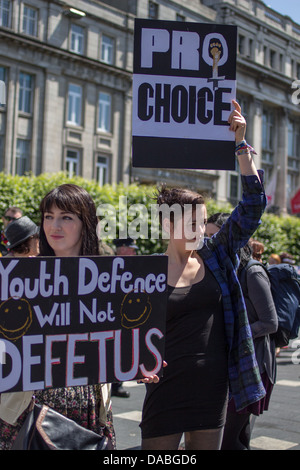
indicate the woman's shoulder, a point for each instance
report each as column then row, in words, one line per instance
column 257, row 269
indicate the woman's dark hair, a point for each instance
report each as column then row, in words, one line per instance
column 76, row 200
column 218, row 219
column 179, row 196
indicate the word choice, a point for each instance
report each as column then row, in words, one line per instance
column 165, row 103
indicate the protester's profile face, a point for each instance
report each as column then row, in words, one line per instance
column 63, row 231
column 211, row 229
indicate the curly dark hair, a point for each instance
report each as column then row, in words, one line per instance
column 74, row 199
column 177, row 196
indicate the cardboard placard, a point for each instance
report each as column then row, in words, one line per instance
column 183, row 85
column 80, row 321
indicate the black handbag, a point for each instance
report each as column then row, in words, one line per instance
column 45, row 429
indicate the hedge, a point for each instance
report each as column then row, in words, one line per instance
column 277, row 233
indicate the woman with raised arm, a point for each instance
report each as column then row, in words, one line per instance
column 209, row 348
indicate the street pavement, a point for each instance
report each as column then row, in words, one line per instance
column 277, row 429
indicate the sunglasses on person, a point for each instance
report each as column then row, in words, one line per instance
column 7, row 217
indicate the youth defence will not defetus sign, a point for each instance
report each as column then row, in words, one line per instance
column 183, row 85
column 80, row 321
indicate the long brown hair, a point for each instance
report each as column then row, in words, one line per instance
column 76, row 200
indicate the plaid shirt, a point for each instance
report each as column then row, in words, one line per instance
column 219, row 254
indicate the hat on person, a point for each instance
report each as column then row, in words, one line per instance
column 19, row 230
column 125, row 242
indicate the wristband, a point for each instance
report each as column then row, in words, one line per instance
column 243, row 148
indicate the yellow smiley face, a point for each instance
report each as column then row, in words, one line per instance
column 135, row 309
column 15, row 318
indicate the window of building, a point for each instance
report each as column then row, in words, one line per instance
column 102, row 170
column 266, row 56
column 268, row 128
column 3, row 80
column 292, row 184
column 281, row 63
column 250, row 49
column 104, row 118
column 5, row 13
column 273, row 57
column 22, row 157
column 77, row 39
column 1, row 152
column 293, row 68
column 243, row 101
column 153, row 11
column 107, row 49
column 241, row 44
column 293, row 146
column 29, row 20
column 25, row 92
column 72, row 163
column 234, row 188
column 74, row 104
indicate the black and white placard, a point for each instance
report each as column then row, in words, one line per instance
column 80, row 321
column 183, row 85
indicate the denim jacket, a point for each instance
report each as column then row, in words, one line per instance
column 219, row 254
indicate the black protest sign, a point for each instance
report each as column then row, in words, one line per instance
column 80, row 321
column 183, row 84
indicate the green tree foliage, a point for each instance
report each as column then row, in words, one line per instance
column 277, row 233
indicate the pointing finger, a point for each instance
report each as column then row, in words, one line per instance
column 236, row 106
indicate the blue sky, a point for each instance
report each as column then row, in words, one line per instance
column 286, row 7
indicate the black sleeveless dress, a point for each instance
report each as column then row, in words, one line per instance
column 192, row 394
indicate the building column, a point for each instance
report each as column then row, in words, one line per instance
column 11, row 121
column 127, row 130
column 281, row 152
column 255, row 129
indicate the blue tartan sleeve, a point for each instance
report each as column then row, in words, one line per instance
column 244, row 219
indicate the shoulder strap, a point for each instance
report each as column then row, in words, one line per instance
column 243, row 273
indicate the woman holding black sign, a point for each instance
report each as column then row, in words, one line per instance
column 68, row 228
column 209, row 348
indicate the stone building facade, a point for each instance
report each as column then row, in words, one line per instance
column 67, row 69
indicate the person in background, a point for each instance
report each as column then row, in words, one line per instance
column 274, row 259
column 257, row 249
column 287, row 258
column 261, row 312
column 12, row 213
column 23, row 238
column 215, row 222
column 124, row 247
